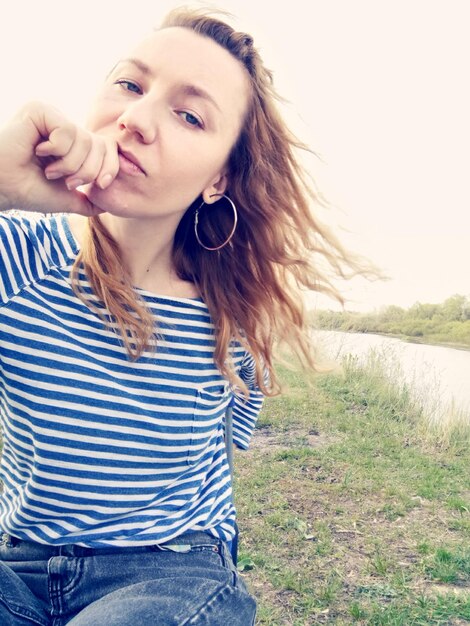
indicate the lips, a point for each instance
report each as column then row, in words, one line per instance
column 125, row 155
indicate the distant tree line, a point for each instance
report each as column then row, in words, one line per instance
column 448, row 322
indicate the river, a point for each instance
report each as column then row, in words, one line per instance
column 438, row 376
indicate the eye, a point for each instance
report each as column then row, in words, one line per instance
column 191, row 119
column 129, row 86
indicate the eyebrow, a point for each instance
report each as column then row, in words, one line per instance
column 187, row 89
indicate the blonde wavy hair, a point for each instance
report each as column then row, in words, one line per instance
column 252, row 285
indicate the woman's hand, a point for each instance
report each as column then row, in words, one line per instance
column 44, row 157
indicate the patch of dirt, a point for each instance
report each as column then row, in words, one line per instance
column 443, row 589
column 279, row 599
column 268, row 439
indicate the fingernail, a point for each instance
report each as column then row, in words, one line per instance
column 105, row 181
column 74, row 183
column 52, row 175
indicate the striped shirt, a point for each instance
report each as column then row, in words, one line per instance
column 99, row 450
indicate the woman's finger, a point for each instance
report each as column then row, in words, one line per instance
column 59, row 141
column 101, row 165
column 110, row 166
column 72, row 161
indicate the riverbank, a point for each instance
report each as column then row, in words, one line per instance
column 352, row 510
column 426, row 340
column 446, row 324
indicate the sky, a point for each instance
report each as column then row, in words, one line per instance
column 377, row 88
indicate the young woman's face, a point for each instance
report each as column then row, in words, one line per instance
column 175, row 107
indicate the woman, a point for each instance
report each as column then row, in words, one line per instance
column 148, row 301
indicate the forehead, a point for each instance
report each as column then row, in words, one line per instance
column 179, row 55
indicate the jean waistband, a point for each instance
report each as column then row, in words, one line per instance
column 183, row 543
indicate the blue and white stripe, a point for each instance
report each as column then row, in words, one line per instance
column 99, row 450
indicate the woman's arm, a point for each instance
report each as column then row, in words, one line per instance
column 246, row 410
column 40, row 142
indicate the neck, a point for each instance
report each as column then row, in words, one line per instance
column 146, row 248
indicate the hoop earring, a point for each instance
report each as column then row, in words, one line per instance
column 235, row 219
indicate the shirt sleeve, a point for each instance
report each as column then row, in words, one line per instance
column 22, row 258
column 245, row 412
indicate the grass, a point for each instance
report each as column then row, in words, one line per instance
column 352, row 508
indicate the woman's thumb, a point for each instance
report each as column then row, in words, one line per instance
column 77, row 202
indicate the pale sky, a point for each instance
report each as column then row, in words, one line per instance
column 378, row 88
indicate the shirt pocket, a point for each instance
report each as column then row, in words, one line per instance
column 209, row 411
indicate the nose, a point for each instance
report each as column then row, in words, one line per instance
column 137, row 120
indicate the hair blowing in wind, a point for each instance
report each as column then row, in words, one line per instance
column 252, row 286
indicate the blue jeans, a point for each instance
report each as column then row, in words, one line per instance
column 191, row 580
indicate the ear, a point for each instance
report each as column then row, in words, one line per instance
column 217, row 188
